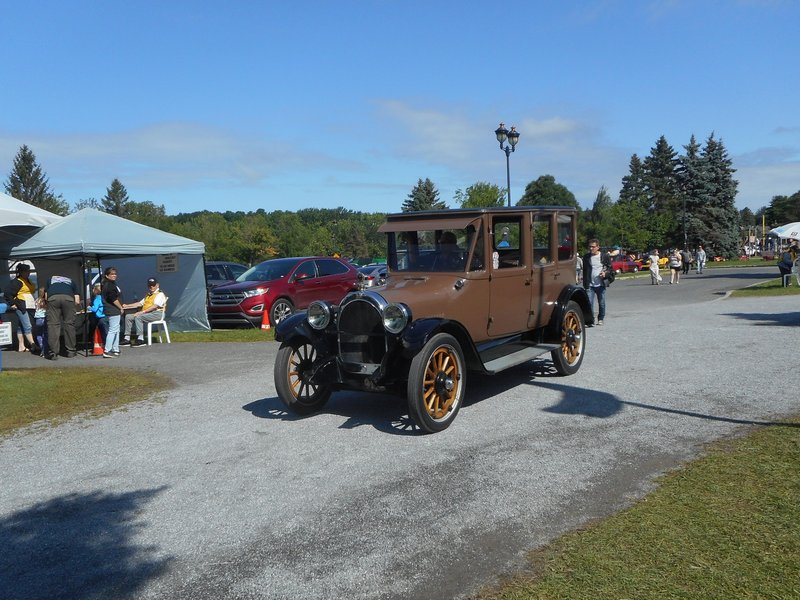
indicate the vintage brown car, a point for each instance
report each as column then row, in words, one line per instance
column 467, row 290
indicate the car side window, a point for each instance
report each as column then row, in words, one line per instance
column 329, row 266
column 542, row 251
column 214, row 272
column 566, row 239
column 506, row 244
column 306, row 270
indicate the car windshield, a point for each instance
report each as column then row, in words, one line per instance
column 440, row 250
column 267, row 271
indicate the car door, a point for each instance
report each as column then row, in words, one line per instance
column 304, row 284
column 336, row 279
column 510, row 286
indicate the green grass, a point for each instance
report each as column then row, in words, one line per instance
column 773, row 287
column 225, row 335
column 49, row 396
column 724, row 526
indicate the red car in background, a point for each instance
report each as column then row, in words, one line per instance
column 624, row 264
column 280, row 286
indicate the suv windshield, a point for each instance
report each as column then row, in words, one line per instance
column 267, row 271
column 439, row 250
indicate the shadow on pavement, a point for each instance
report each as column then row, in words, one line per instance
column 77, row 546
column 591, row 403
column 771, row 319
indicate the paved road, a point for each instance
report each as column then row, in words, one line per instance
column 214, row 491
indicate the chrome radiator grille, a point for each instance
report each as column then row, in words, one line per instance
column 362, row 339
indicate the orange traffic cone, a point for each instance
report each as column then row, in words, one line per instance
column 265, row 320
column 98, row 343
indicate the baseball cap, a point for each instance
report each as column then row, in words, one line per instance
column 152, row 281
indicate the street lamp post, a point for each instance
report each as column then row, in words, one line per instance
column 512, row 136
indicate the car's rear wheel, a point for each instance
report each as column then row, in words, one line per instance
column 567, row 359
column 281, row 309
column 292, row 367
column 437, row 383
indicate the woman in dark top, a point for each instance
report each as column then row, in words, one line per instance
column 112, row 307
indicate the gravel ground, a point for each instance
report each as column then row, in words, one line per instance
column 214, row 491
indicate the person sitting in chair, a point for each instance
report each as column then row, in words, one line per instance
column 151, row 308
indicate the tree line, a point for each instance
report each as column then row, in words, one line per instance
column 666, row 200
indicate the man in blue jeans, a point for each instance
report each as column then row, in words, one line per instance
column 596, row 265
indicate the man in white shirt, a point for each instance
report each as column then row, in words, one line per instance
column 151, row 308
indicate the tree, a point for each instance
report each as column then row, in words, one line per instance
column 481, row 195
column 662, row 188
column 88, row 203
column 722, row 219
column 116, row 199
column 783, row 209
column 27, row 182
column 146, row 213
column 546, row 192
column 634, row 188
column 424, row 196
column 694, row 182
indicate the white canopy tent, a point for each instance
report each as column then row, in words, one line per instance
column 137, row 251
column 15, row 213
column 790, row 231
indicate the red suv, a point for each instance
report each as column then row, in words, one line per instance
column 279, row 286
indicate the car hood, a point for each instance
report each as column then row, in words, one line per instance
column 429, row 295
column 241, row 286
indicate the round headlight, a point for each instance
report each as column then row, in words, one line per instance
column 319, row 315
column 396, row 317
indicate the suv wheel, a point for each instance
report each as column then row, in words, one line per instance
column 292, row 365
column 568, row 358
column 281, row 309
column 436, row 383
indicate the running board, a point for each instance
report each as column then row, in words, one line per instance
column 518, row 354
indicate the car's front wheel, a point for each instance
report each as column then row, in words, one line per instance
column 281, row 309
column 567, row 359
column 437, row 383
column 292, row 367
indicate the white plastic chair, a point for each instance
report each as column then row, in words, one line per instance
column 162, row 323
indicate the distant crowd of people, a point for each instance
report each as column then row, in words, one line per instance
column 46, row 317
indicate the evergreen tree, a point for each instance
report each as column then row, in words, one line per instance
column 721, row 218
column 783, row 209
column 88, row 203
column 546, row 192
column 695, row 186
column 116, row 199
column 602, row 203
column 481, row 195
column 27, row 182
column 424, row 196
column 634, row 189
column 662, row 190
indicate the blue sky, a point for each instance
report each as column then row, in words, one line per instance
column 289, row 105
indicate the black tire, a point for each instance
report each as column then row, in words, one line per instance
column 281, row 309
column 291, row 366
column 437, row 383
column 568, row 358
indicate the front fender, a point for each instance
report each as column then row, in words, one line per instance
column 292, row 326
column 414, row 338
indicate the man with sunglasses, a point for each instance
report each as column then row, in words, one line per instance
column 151, row 308
column 596, row 267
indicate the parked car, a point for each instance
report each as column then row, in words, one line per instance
column 219, row 272
column 623, row 264
column 280, row 286
column 456, row 300
column 372, row 275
